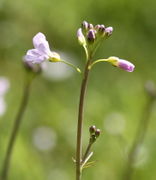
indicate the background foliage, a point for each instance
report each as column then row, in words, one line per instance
column 115, row 99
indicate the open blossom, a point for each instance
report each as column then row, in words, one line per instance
column 121, row 63
column 41, row 51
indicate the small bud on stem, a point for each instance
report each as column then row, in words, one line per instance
column 97, row 133
column 92, row 129
column 91, row 35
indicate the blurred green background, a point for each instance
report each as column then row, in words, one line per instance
column 115, row 99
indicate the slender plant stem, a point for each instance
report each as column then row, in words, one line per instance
column 14, row 132
column 87, row 152
column 80, row 120
column 140, row 135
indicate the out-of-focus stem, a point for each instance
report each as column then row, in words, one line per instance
column 80, row 120
column 139, row 138
column 15, row 129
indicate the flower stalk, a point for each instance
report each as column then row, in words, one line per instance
column 15, row 129
column 80, row 120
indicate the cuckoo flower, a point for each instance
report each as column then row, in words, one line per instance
column 121, row 63
column 117, row 62
column 41, row 51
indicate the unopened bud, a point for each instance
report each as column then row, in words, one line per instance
column 91, row 35
column 121, row 63
column 97, row 27
column 84, row 25
column 97, row 133
column 92, row 129
column 108, row 31
column 102, row 28
column 90, row 26
column 81, row 37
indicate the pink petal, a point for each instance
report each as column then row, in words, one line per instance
column 126, row 65
column 40, row 43
column 38, row 39
column 35, row 56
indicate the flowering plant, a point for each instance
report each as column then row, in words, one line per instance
column 90, row 37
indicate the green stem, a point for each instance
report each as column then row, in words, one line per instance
column 97, row 61
column 80, row 120
column 139, row 138
column 13, row 135
column 87, row 152
column 69, row 64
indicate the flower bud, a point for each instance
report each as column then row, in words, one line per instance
column 84, row 25
column 108, row 31
column 121, row 63
column 90, row 26
column 81, row 37
column 102, row 28
column 97, row 27
column 97, row 133
column 91, row 35
column 92, row 129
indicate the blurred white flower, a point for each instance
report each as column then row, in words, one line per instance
column 2, row 106
column 44, row 138
column 4, row 85
column 58, row 71
column 114, row 123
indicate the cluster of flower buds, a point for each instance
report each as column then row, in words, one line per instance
column 88, row 33
column 94, row 133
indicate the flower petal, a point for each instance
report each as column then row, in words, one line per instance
column 34, row 52
column 44, row 48
column 35, row 56
column 121, row 63
column 126, row 65
column 38, row 38
column 40, row 43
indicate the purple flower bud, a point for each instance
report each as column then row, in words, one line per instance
column 108, row 31
column 121, row 63
column 97, row 27
column 92, row 129
column 90, row 26
column 126, row 65
column 102, row 28
column 91, row 35
column 81, row 37
column 84, row 25
column 97, row 133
